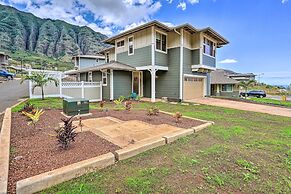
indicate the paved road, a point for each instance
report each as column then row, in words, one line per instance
column 10, row 92
column 275, row 97
column 244, row 106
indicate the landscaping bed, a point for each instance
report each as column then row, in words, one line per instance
column 35, row 151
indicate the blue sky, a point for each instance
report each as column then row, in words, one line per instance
column 259, row 31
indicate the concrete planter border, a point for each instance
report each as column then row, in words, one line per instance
column 4, row 150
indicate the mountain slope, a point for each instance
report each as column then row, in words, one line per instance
column 20, row 31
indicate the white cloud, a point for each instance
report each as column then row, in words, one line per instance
column 228, row 61
column 182, row 5
column 284, row 1
column 193, row 1
column 108, row 15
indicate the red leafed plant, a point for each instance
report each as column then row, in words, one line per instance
column 177, row 116
column 66, row 134
column 128, row 105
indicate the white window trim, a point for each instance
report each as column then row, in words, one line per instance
column 107, row 53
column 132, row 45
column 165, row 52
column 104, row 76
column 90, row 76
column 119, row 40
column 214, row 47
column 227, row 91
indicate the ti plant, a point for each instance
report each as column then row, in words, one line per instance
column 128, row 105
column 177, row 116
column 29, row 108
column 34, row 117
column 101, row 104
column 66, row 134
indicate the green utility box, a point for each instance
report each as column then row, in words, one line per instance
column 74, row 106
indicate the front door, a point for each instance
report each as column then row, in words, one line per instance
column 137, row 82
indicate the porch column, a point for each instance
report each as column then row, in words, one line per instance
column 111, row 85
column 153, row 85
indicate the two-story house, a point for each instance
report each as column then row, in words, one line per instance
column 85, row 61
column 154, row 61
column 3, row 59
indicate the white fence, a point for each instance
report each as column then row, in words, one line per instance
column 88, row 90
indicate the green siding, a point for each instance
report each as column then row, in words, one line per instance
column 146, row 84
column 83, row 77
column 122, row 83
column 187, row 53
column 96, row 76
column 209, row 61
column 89, row 62
column 106, row 89
column 161, row 59
column 195, row 56
column 167, row 83
column 141, row 57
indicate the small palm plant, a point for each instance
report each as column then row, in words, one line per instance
column 40, row 80
column 34, row 117
column 246, row 84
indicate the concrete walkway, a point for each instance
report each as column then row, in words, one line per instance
column 244, row 106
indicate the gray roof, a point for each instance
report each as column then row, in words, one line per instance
column 115, row 65
column 220, row 77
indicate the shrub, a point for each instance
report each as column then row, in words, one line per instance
column 101, row 104
column 153, row 111
column 118, row 102
column 66, row 134
column 34, row 117
column 177, row 116
column 128, row 105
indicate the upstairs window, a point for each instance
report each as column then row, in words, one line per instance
column 130, row 46
column 161, row 42
column 120, row 43
column 104, row 78
column 107, row 57
column 208, row 47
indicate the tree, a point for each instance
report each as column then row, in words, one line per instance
column 246, row 84
column 40, row 80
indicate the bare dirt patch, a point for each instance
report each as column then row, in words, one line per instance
column 141, row 115
column 1, row 120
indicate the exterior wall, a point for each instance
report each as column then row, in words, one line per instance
column 173, row 40
column 141, row 39
column 3, row 60
column 234, row 93
column 187, row 39
column 106, row 89
column 196, row 41
column 161, row 58
column 122, row 83
column 141, row 57
column 167, row 83
column 209, row 61
column 112, row 54
column 147, row 84
column 83, row 77
column 88, row 62
column 96, row 76
column 195, row 57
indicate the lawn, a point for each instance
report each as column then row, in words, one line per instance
column 272, row 101
column 244, row 152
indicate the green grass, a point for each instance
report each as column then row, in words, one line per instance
column 272, row 101
column 243, row 152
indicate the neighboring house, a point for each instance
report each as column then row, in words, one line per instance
column 84, row 61
column 240, row 76
column 154, row 61
column 223, row 85
column 3, row 59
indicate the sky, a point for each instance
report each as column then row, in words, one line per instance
column 259, row 31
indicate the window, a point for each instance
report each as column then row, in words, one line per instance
column 120, row 43
column 107, row 57
column 130, row 46
column 90, row 79
column 161, row 42
column 104, row 78
column 208, row 47
column 227, row 88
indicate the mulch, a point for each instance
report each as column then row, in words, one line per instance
column 35, row 151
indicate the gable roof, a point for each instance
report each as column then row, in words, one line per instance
column 188, row 27
column 220, row 77
column 115, row 65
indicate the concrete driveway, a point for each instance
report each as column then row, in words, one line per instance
column 244, row 106
column 10, row 92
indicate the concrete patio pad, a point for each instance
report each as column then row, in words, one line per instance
column 125, row 133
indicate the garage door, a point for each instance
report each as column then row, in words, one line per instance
column 193, row 87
